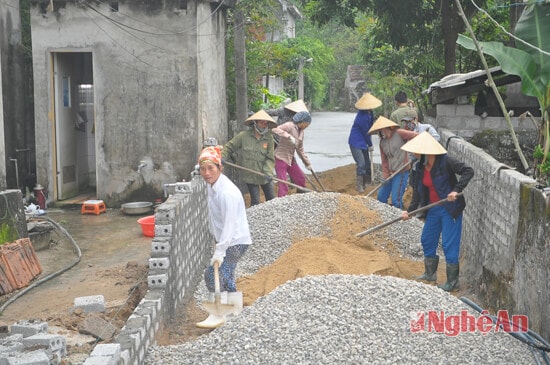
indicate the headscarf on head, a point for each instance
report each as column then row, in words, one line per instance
column 301, row 117
column 211, row 154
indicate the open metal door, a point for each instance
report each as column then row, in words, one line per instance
column 65, row 138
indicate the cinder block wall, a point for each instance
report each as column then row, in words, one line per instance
column 504, row 256
column 180, row 249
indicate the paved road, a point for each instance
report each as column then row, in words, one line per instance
column 326, row 140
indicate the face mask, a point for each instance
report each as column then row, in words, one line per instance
column 261, row 131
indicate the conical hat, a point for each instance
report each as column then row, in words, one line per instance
column 381, row 123
column 424, row 144
column 297, row 106
column 368, row 101
column 261, row 115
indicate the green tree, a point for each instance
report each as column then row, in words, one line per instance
column 406, row 22
column 531, row 62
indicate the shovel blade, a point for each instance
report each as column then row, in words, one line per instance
column 218, row 309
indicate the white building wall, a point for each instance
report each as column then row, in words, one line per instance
column 153, row 90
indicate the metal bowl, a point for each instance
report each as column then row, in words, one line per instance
column 136, row 208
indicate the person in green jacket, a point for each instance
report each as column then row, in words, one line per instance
column 253, row 149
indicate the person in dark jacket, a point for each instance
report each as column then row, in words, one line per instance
column 436, row 180
column 360, row 142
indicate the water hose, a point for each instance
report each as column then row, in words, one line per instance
column 528, row 337
column 52, row 275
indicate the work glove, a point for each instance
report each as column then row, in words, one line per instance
column 217, row 258
column 371, row 148
column 292, row 140
column 309, row 167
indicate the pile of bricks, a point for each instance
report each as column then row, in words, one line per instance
column 28, row 343
column 18, row 265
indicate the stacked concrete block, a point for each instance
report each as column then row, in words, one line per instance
column 55, row 343
column 179, row 250
column 29, row 328
column 105, row 354
column 30, row 344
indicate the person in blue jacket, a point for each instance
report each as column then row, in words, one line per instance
column 359, row 140
column 436, row 179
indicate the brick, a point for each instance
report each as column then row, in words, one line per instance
column 93, row 303
column 99, row 360
column 157, row 281
column 159, row 263
column 96, row 326
column 111, row 350
column 47, row 341
column 29, row 328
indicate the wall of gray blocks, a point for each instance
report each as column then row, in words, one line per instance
column 497, row 255
column 180, row 249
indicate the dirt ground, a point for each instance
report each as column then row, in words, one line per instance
column 115, row 254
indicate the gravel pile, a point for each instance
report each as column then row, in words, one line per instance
column 335, row 318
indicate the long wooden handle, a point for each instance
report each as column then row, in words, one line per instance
column 267, row 176
column 388, row 179
column 217, row 294
column 414, row 212
column 317, row 178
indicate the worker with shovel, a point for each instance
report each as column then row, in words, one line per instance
column 291, row 140
column 395, row 166
column 360, row 142
column 229, row 226
column 436, row 180
column 253, row 150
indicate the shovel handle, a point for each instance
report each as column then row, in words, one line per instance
column 217, row 294
column 317, row 178
column 388, row 179
column 413, row 213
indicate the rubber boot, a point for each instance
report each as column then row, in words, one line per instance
column 430, row 269
column 452, row 278
column 367, row 180
column 236, row 299
column 359, row 184
column 214, row 321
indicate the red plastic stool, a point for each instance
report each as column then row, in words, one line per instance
column 93, row 207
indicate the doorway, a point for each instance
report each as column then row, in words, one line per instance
column 74, row 137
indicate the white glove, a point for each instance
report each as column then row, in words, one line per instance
column 292, row 140
column 217, row 258
column 371, row 148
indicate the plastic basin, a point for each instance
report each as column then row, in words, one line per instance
column 147, row 225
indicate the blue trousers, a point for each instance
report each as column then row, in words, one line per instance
column 440, row 223
column 396, row 187
column 227, row 270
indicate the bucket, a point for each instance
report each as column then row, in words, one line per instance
column 147, row 225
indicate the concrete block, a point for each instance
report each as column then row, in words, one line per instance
column 96, row 326
column 29, row 358
column 99, row 360
column 160, row 247
column 159, row 263
column 455, row 109
column 163, row 230
column 29, row 328
column 93, row 303
column 157, row 281
column 111, row 350
column 47, row 341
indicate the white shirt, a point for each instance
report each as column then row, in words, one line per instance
column 227, row 215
